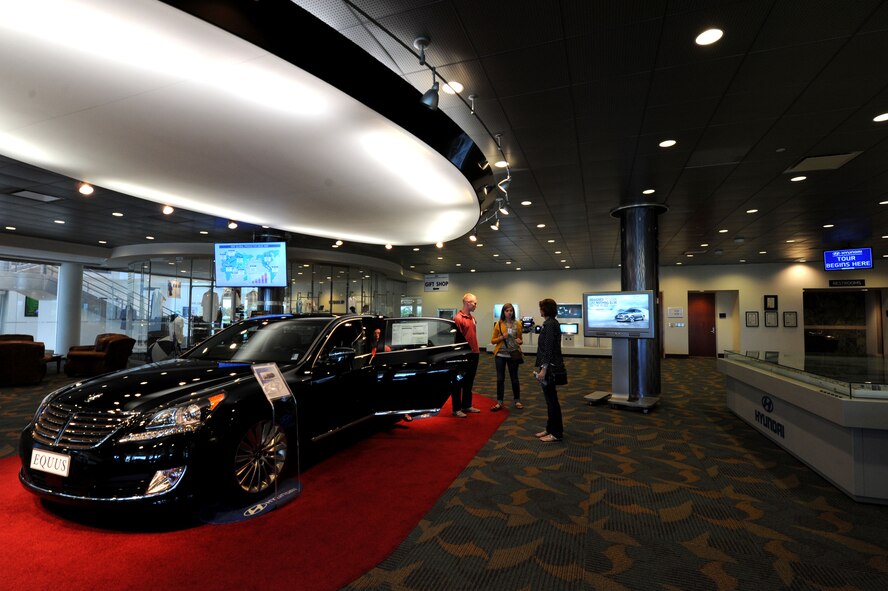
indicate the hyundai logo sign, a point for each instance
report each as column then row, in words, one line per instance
column 767, row 404
column 769, row 423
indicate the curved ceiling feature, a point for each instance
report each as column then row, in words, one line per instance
column 141, row 98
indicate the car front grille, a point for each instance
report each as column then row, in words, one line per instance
column 63, row 425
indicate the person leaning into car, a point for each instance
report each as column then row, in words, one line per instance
column 548, row 355
column 462, row 393
column 507, row 338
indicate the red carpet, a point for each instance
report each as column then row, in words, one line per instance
column 356, row 507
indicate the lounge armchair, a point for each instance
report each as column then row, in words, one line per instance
column 110, row 352
column 23, row 361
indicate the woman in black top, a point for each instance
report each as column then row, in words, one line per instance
column 548, row 355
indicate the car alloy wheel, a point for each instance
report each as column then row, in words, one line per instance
column 260, row 457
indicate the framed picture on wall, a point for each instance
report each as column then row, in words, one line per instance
column 752, row 319
column 790, row 319
column 771, row 318
column 770, row 302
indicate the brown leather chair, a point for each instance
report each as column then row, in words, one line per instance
column 110, row 352
column 16, row 337
column 21, row 361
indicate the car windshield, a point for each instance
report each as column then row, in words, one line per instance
column 282, row 340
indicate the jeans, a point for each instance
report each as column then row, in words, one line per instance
column 554, row 424
column 462, row 392
column 501, row 364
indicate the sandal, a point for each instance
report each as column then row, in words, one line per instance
column 541, row 434
column 496, row 407
column 549, row 438
column 518, row 404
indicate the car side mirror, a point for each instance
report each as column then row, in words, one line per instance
column 339, row 356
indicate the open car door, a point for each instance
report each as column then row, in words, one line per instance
column 419, row 364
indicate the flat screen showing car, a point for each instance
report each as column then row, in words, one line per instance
column 498, row 308
column 570, row 328
column 619, row 314
column 246, row 264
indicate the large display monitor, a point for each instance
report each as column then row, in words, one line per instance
column 570, row 310
column 251, row 264
column 619, row 314
column 849, row 259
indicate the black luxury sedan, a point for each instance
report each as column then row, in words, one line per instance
column 202, row 425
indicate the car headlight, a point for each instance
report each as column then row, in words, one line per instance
column 175, row 419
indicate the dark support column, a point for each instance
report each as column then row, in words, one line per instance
column 270, row 300
column 640, row 271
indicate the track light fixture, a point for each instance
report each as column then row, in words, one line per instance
column 429, row 97
column 472, row 98
column 503, row 208
column 504, row 184
column 495, row 226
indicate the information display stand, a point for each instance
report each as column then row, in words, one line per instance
column 624, row 380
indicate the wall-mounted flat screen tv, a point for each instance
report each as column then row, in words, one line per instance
column 498, row 309
column 619, row 314
column 570, row 310
column 251, row 264
column 849, row 259
column 570, row 328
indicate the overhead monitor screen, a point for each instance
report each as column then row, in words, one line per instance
column 256, row 264
column 848, row 260
column 570, row 328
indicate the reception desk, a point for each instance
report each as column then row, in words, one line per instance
column 838, row 428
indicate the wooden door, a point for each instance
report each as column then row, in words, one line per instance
column 701, row 325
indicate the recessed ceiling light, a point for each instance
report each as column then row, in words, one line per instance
column 10, row 228
column 471, row 270
column 648, row 191
column 501, row 164
column 526, row 202
column 168, row 209
column 829, row 225
column 439, row 244
column 883, row 202
column 334, row 246
column 790, row 241
column 563, row 261
column 541, row 225
column 763, row 252
column 557, row 252
column 103, row 242
column 204, row 232
column 705, row 244
column 452, row 87
column 723, row 231
column 667, row 143
column 796, row 179
column 412, row 266
column 689, row 255
column 149, row 237
column 551, row 241
column 880, row 118
column 388, row 247
column 709, row 36
column 517, row 268
column 59, row 221
column 678, row 263
column 752, row 211
column 117, row 214
column 85, row 189
column 440, row 258
column 339, row 243
column 742, row 260
column 496, row 255
column 416, row 249
column 567, row 266
column 459, row 264
column 508, row 262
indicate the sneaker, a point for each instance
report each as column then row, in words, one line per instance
column 460, row 414
column 471, row 409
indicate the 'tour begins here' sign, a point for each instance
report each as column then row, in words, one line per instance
column 852, row 258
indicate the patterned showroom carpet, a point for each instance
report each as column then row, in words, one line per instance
column 686, row 497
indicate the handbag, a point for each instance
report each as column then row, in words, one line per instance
column 559, row 374
column 517, row 355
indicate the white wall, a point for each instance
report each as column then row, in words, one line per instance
column 739, row 288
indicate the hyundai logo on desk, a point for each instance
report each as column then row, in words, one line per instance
column 852, row 258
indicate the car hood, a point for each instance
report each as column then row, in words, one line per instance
column 152, row 385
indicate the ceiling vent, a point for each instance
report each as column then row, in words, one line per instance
column 36, row 196
column 823, row 162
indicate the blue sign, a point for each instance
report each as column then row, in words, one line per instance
column 852, row 258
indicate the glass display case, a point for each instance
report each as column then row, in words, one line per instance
column 863, row 377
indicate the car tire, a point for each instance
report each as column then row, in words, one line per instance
column 258, row 459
